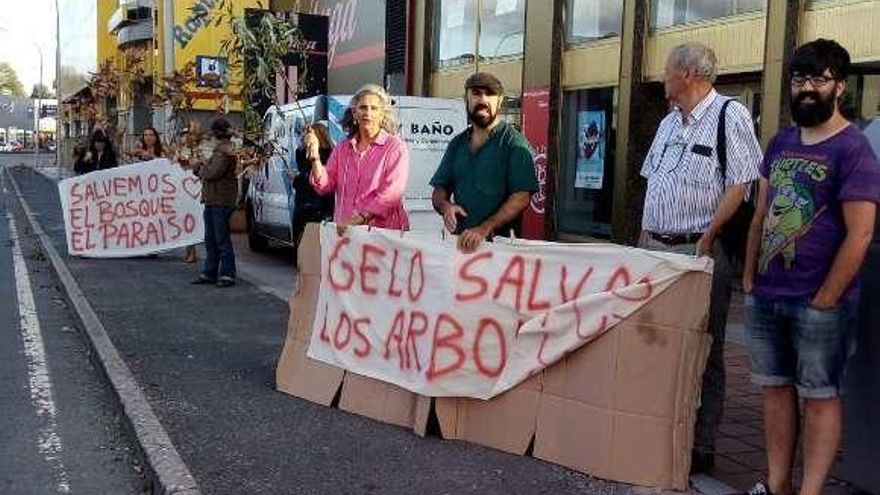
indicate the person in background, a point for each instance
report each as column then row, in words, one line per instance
column 101, row 155
column 149, row 146
column 219, row 195
column 367, row 171
column 188, row 157
column 80, row 164
column 309, row 205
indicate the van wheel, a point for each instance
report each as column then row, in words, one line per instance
column 256, row 242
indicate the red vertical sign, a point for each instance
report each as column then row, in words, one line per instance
column 536, row 125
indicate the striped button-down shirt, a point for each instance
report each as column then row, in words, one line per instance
column 684, row 177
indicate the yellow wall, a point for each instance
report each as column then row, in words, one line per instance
column 595, row 64
column 853, row 24
column 449, row 82
column 106, row 40
column 193, row 37
column 738, row 44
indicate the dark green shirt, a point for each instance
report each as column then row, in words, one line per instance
column 482, row 181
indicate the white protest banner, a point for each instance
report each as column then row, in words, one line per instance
column 132, row 210
column 412, row 311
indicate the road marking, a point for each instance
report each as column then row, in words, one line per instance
column 39, row 381
column 168, row 473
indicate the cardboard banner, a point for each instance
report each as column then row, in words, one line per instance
column 415, row 312
column 132, row 210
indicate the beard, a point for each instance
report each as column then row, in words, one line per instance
column 482, row 120
column 813, row 113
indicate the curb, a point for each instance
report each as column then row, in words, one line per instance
column 168, row 473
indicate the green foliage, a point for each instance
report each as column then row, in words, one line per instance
column 9, row 83
column 258, row 47
column 41, row 91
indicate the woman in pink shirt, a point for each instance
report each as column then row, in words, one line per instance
column 368, row 170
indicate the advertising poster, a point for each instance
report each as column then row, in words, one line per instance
column 591, row 150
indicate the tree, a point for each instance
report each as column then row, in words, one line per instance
column 9, row 83
column 72, row 81
column 41, row 91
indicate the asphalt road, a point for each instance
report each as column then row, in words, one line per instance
column 59, row 427
column 205, row 358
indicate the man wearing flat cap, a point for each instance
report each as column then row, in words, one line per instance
column 487, row 176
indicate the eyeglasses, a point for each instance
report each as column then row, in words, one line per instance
column 799, row 81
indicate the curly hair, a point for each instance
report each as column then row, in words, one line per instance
column 349, row 122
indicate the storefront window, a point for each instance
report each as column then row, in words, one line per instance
column 666, row 13
column 501, row 27
column 586, row 184
column 588, row 20
column 456, row 31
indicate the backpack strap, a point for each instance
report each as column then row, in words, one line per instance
column 721, row 142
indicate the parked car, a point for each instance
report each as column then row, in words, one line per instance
column 425, row 124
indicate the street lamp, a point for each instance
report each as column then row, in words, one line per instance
column 37, row 110
column 57, row 85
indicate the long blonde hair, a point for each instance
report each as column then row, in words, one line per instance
column 389, row 122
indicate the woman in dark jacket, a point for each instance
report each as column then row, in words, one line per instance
column 80, row 164
column 309, row 205
column 101, row 155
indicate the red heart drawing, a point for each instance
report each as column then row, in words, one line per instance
column 192, row 186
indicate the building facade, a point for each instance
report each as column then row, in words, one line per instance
column 157, row 37
column 147, row 40
column 563, row 64
column 585, row 81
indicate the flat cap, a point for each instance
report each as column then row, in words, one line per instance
column 486, row 81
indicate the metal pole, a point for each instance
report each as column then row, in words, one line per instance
column 479, row 32
column 37, row 110
column 57, row 85
column 171, row 128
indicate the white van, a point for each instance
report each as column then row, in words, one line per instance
column 427, row 125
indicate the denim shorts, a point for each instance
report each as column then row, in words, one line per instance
column 790, row 342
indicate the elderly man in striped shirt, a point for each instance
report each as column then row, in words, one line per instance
column 690, row 198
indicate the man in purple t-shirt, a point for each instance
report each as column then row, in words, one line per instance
column 814, row 223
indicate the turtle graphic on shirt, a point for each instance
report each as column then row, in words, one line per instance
column 792, row 210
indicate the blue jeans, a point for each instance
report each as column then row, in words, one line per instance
column 219, row 257
column 794, row 343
